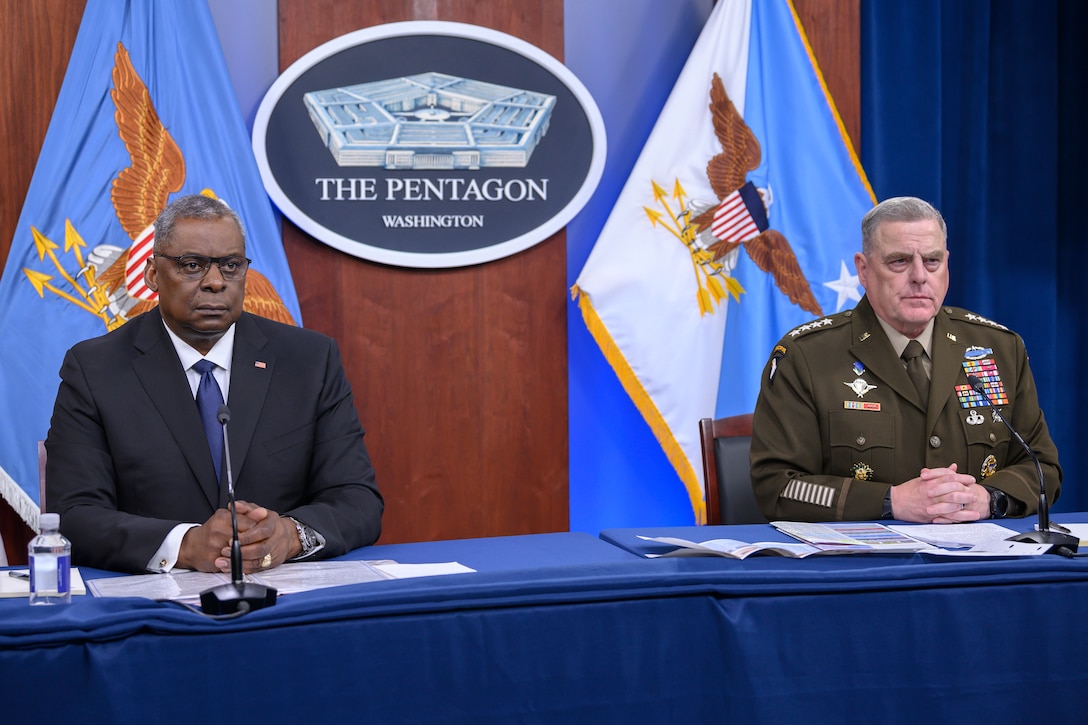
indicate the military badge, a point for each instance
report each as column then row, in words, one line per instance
column 977, row 353
column 986, row 371
column 860, row 387
column 974, row 418
column 989, row 466
column 862, row 471
column 778, row 353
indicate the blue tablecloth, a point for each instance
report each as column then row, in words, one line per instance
column 567, row 628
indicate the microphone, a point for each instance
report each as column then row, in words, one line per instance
column 1064, row 544
column 239, row 596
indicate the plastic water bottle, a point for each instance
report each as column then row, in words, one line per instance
column 50, row 557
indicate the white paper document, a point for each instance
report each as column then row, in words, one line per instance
column 410, row 571
column 955, row 536
column 992, row 549
column 1078, row 530
column 859, row 536
column 304, row 576
column 13, row 585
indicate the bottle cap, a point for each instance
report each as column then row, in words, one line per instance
column 49, row 521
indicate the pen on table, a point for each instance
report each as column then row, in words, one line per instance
column 20, row 574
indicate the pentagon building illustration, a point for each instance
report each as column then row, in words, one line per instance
column 430, row 121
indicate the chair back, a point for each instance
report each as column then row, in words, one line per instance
column 727, row 472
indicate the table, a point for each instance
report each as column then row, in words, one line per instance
column 558, row 628
column 552, row 628
column 890, row 637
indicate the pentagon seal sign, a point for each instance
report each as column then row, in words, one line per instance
column 429, row 144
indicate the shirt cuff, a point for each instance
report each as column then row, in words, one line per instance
column 166, row 555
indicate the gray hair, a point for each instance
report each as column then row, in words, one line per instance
column 897, row 209
column 194, row 206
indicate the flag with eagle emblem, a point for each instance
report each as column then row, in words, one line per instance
column 146, row 113
column 744, row 208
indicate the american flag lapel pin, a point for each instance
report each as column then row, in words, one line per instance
column 259, row 364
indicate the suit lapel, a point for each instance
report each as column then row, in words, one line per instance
column 948, row 354
column 872, row 347
column 250, row 376
column 160, row 373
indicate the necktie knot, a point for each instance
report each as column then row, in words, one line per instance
column 203, row 367
column 913, row 350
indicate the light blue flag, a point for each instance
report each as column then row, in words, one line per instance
column 818, row 196
column 738, row 222
column 146, row 113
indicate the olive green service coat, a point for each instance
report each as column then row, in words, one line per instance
column 838, row 420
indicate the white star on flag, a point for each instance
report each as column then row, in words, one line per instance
column 846, row 286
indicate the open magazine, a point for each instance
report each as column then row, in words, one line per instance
column 973, row 540
column 733, row 549
column 812, row 539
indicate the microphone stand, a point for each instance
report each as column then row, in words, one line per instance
column 1059, row 543
column 239, row 596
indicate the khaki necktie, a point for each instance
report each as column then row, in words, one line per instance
column 914, row 356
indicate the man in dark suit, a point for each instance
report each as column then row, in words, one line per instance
column 845, row 429
column 130, row 467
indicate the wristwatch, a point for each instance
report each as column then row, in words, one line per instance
column 999, row 503
column 306, row 537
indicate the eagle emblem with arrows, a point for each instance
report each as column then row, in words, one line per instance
column 714, row 233
column 108, row 283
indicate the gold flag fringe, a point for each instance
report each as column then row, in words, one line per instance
column 644, row 403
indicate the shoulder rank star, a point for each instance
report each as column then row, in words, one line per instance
column 860, row 387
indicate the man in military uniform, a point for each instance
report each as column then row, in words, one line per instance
column 846, row 428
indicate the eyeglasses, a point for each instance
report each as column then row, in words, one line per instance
column 195, row 266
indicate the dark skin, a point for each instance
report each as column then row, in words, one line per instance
column 200, row 311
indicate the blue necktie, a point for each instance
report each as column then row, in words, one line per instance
column 208, row 399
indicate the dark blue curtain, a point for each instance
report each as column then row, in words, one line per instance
column 978, row 107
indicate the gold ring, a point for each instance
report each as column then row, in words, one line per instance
column 266, row 561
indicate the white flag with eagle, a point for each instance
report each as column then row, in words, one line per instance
column 739, row 221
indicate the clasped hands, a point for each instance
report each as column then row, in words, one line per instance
column 261, row 532
column 940, row 496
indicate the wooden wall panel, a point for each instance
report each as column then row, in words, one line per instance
column 833, row 28
column 38, row 39
column 460, row 375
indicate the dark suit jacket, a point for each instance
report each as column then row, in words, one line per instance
column 128, row 459
column 820, row 451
